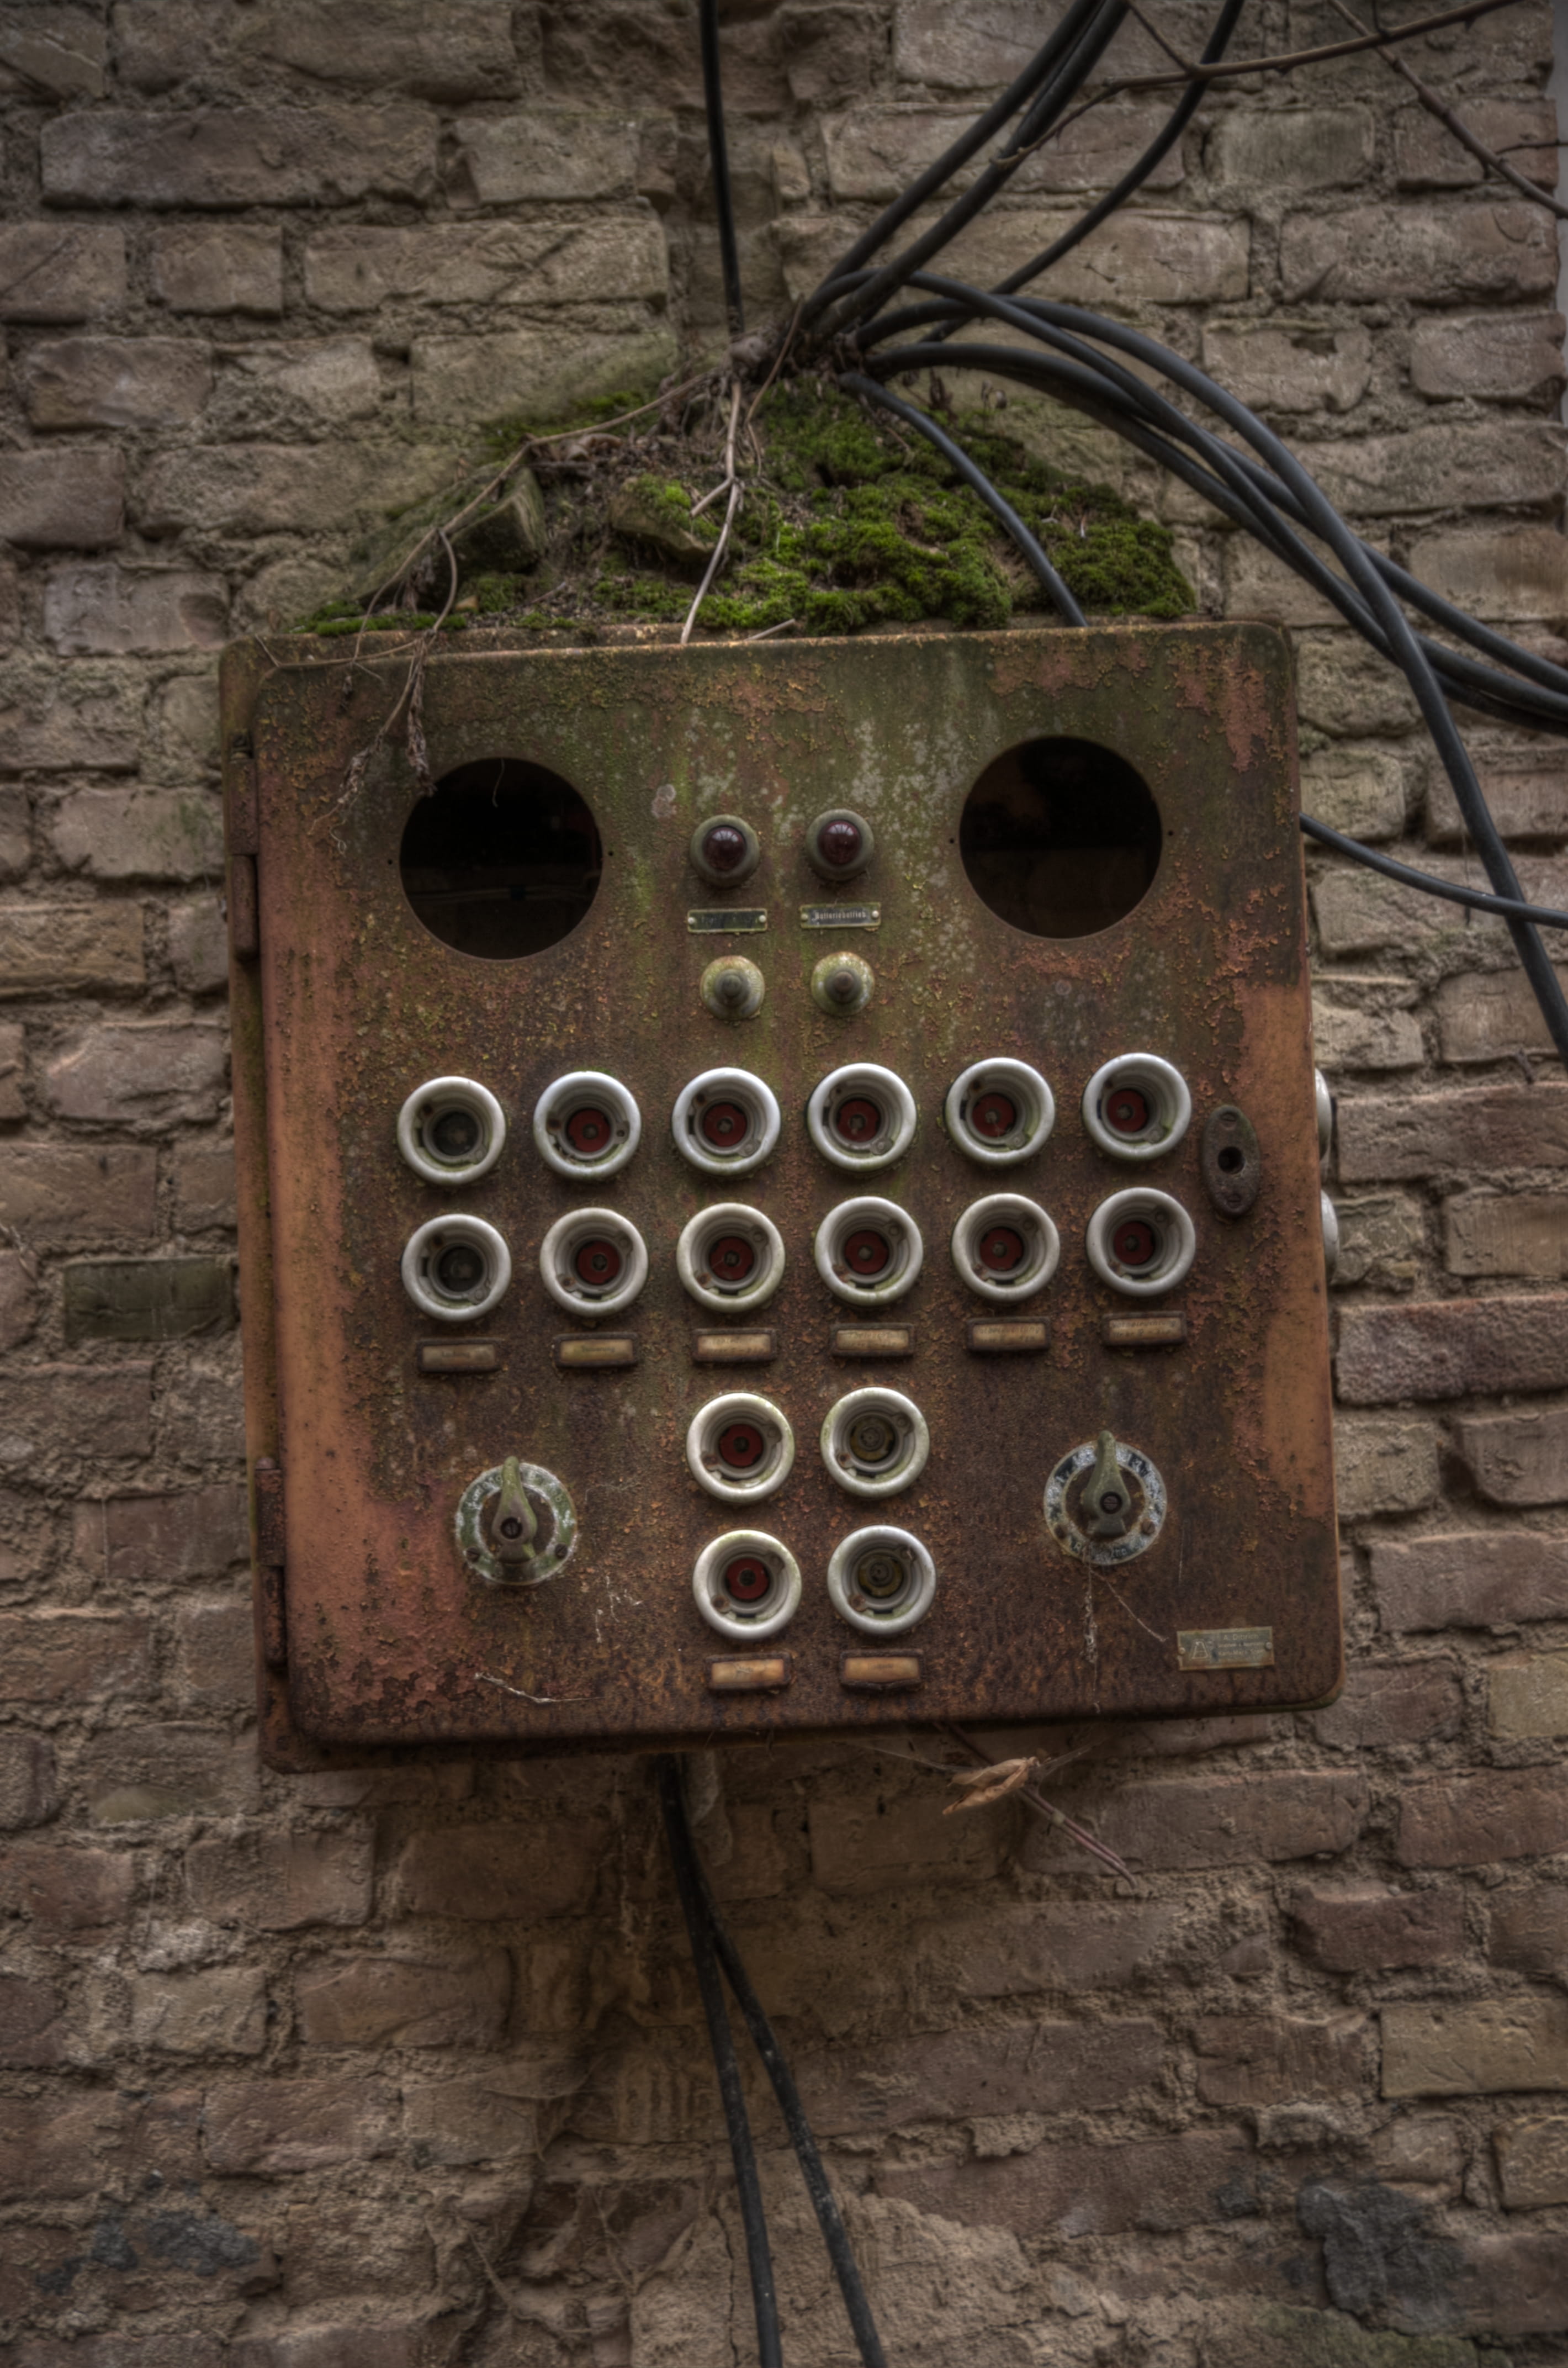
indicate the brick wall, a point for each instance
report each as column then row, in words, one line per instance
column 360, row 2071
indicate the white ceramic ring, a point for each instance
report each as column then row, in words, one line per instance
column 734, row 1619
column 1174, row 1233
column 897, row 1228
column 1161, row 1089
column 1011, row 1213
column 703, row 1105
column 428, row 1106
column 906, row 1607
column 1033, row 1102
column 710, row 1468
column 756, row 1233
column 586, row 1095
column 862, row 1082
column 570, row 1237
column 431, row 1242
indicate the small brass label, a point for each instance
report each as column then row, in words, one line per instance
column 756, row 1673
column 874, row 1341
column 1007, row 1339
column 1225, row 1648
column 1143, row 1331
column 841, row 917
column 733, row 1347
column 879, row 1668
column 726, row 921
column 596, row 1350
column 459, row 1356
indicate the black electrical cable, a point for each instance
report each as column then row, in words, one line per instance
column 1540, row 916
column 835, row 2237
column 718, row 157
column 952, row 159
column 978, row 482
column 759, row 2261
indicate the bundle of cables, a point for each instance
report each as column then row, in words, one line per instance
column 873, row 323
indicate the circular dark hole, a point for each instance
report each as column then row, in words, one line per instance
column 1134, row 1242
column 597, row 1263
column 1127, row 1110
column 1231, row 1159
column 459, row 1269
column 993, row 1115
column 588, row 1131
column 723, row 1124
column 455, row 1134
column 880, row 1575
column 740, row 1446
column 858, row 1121
column 872, row 1438
column 867, row 1252
column 502, row 859
column 1060, row 837
column 732, row 1259
column 1001, row 1250
column 746, row 1579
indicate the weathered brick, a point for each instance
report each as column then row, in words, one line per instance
column 1527, row 790
column 1528, row 1696
column 199, row 953
column 66, row 1892
column 13, row 1066
column 1362, row 790
column 132, row 1772
column 143, row 1073
column 239, row 156
column 28, row 1794
column 1441, row 467
column 1357, row 913
column 147, row 1299
column 1345, row 690
column 54, row 1194
column 60, row 272
column 873, row 151
column 447, row 54
column 1217, row 1820
column 30, row 2030
column 971, row 44
column 357, row 2343
column 1453, row 254
column 1488, row 1017
column 1478, row 1578
column 69, row 947
column 1503, row 359
column 1384, row 1465
column 550, row 153
column 482, row 1873
column 1147, row 257
column 1392, row 1701
column 490, row 264
column 1382, row 1238
column 378, row 1788
column 57, row 721
column 220, row 2011
column 63, row 52
column 269, row 2128
column 58, row 2144
column 456, row 1998
column 1260, row 585
column 10, row 604
column 1528, row 1927
column 1516, row 1459
column 16, row 837
column 1273, row 2059
column 1007, row 1952
column 640, row 48
column 204, row 1189
column 185, row 727
column 62, row 501
column 171, row 2349
column 831, row 53
column 1484, row 1818
column 215, row 1654
column 493, row 2119
column 1427, row 157
column 69, row 1655
column 1362, row 1928
column 853, row 1848
column 1078, row 2191
column 250, row 489
column 219, row 268
column 534, row 370
column 1451, row 1348
column 1517, row 572
column 115, row 381
column 1532, row 2162
column 1033, row 2068
column 103, row 610
column 1475, row 2048
column 1291, row 148
column 18, row 1299
column 94, row 1410
column 196, row 1533
column 283, row 1882
column 1289, row 365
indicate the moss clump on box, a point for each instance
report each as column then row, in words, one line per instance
column 848, row 520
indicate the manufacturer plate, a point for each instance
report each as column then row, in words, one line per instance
column 1225, row 1648
column 841, row 917
column 723, row 921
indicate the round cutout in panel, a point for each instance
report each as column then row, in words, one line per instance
column 875, row 1443
column 1005, row 1248
column 455, row 1268
column 502, row 860
column 1137, row 1106
column 882, row 1581
column 593, row 1262
column 730, row 1257
column 999, row 1112
column 740, row 1447
column 1141, row 1242
column 452, row 1131
column 747, row 1584
column 868, row 1252
column 1061, row 837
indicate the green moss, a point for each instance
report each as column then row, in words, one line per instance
column 495, row 595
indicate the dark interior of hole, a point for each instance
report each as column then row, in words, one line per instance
column 1061, row 837
column 502, row 859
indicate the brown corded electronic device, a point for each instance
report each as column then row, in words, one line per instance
column 781, row 1194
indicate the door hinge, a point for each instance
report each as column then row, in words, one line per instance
column 270, row 1557
column 245, row 917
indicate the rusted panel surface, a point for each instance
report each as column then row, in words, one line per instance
column 390, row 1641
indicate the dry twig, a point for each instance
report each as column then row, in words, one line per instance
column 732, row 483
column 1287, row 60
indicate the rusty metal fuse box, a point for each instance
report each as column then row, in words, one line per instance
column 779, row 1190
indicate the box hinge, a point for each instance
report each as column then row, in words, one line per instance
column 270, row 1557
column 245, row 919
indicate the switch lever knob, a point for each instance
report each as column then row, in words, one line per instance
column 514, row 1524
column 1106, row 1498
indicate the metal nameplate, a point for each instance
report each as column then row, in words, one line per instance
column 874, row 1341
column 733, row 1347
column 1007, row 1339
column 841, row 917
column 874, row 1670
column 1143, row 1331
column 596, row 1350
column 1225, row 1648
column 756, row 1673
column 721, row 920
column 459, row 1356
